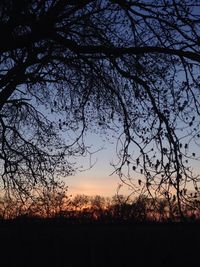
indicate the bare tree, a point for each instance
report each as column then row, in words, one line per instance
column 70, row 66
column 12, row 206
column 49, row 202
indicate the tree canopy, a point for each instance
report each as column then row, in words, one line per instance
column 127, row 66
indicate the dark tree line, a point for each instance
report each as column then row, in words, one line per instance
column 55, row 205
column 131, row 67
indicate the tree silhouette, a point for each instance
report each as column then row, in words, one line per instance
column 50, row 201
column 70, row 66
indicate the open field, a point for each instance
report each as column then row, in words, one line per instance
column 61, row 244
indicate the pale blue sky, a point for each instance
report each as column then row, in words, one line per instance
column 96, row 180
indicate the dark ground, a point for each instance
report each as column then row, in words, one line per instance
column 49, row 243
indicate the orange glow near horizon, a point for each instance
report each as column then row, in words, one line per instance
column 87, row 185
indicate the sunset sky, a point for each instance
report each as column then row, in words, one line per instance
column 97, row 180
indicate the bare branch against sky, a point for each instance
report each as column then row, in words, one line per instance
column 131, row 67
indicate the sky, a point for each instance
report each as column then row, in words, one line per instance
column 98, row 180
